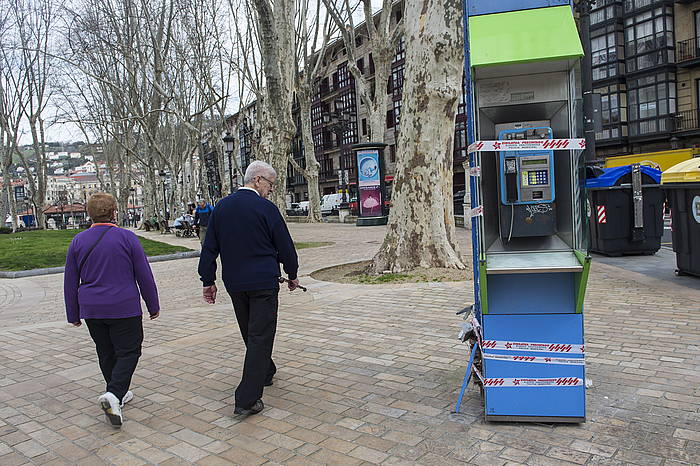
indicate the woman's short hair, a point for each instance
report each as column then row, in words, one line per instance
column 101, row 207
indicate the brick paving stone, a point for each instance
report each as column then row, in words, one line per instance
column 367, row 374
column 187, row 452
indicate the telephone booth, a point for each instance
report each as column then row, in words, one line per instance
column 528, row 210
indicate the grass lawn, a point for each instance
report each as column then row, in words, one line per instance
column 312, row 244
column 47, row 248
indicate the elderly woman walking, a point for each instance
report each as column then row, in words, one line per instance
column 106, row 274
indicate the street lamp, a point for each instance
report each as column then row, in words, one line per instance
column 163, row 175
column 133, row 204
column 228, row 149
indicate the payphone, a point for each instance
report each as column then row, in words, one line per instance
column 527, row 207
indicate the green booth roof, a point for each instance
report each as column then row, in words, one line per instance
column 524, row 36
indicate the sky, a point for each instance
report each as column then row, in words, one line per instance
column 69, row 132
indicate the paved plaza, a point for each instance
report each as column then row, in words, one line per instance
column 367, row 374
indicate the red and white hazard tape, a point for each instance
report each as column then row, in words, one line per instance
column 527, row 144
column 529, row 346
column 535, row 359
column 514, row 382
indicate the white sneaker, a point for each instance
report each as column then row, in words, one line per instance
column 110, row 405
column 128, row 396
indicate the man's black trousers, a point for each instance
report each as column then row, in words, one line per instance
column 118, row 343
column 256, row 312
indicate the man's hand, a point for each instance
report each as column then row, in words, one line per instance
column 155, row 316
column 209, row 294
column 76, row 324
column 293, row 284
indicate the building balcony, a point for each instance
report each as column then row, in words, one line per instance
column 688, row 53
column 686, row 121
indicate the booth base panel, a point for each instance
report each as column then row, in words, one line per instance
column 557, row 403
column 562, row 419
column 537, row 293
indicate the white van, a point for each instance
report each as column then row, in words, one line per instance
column 330, row 203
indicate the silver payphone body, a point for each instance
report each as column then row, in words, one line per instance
column 527, row 192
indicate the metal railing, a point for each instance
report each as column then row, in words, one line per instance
column 685, row 120
column 687, row 50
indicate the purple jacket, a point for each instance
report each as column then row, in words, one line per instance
column 110, row 276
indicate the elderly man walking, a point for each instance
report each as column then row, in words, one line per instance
column 252, row 238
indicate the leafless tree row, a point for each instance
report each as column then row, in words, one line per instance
column 150, row 80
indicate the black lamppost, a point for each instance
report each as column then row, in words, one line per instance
column 163, row 175
column 228, row 149
column 133, row 204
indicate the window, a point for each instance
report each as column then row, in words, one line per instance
column 606, row 55
column 397, row 113
column 389, row 118
column 343, row 76
column 460, row 143
column 600, row 12
column 361, row 65
column 638, row 4
column 364, row 126
column 398, row 15
column 649, row 39
column 400, row 50
column 397, row 80
column 392, row 153
column 613, row 111
column 651, row 100
column 316, row 115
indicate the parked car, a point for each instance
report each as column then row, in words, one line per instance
column 293, row 209
column 330, row 203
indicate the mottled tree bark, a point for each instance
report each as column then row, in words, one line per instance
column 421, row 230
column 276, row 33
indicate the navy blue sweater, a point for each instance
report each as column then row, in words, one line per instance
column 252, row 238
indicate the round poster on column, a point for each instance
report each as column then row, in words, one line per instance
column 369, row 183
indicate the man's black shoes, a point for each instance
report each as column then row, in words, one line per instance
column 268, row 383
column 255, row 409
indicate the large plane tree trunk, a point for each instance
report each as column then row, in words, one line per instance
column 421, row 230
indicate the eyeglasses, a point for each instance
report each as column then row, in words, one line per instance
column 272, row 184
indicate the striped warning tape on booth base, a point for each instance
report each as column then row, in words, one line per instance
column 529, row 346
column 554, row 382
column 535, row 359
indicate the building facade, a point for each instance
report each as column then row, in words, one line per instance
column 644, row 57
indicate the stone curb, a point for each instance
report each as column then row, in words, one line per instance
column 52, row 270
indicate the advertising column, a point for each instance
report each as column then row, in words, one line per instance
column 370, row 184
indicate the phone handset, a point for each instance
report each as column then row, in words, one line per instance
column 511, row 179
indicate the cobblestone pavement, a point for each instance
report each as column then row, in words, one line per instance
column 367, row 374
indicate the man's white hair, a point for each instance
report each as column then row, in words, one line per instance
column 258, row 168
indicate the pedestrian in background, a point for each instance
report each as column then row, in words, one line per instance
column 252, row 238
column 106, row 275
column 201, row 218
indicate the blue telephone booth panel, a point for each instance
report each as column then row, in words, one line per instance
column 561, row 395
column 522, row 293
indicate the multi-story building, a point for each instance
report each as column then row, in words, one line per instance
column 339, row 119
column 644, row 56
